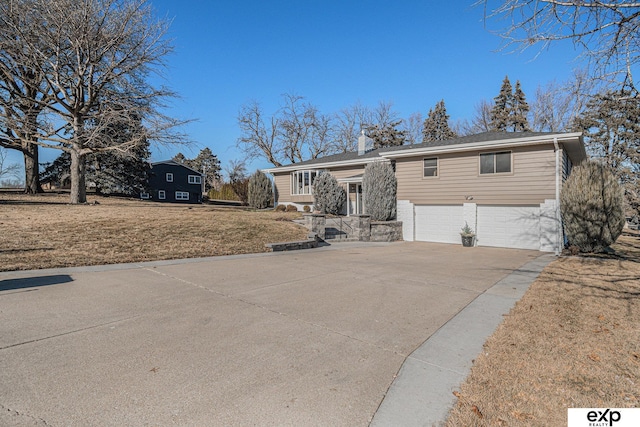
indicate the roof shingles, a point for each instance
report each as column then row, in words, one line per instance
column 469, row 139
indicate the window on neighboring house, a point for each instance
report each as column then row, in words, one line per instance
column 169, row 177
column 144, row 195
column 195, row 179
column 182, row 195
column 430, row 168
column 162, row 195
column 495, row 162
column 302, row 181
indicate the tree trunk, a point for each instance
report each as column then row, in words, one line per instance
column 78, row 185
column 31, row 168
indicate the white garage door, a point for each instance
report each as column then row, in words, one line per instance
column 438, row 223
column 509, row 226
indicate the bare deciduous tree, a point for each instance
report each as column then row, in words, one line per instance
column 7, row 170
column 383, row 115
column 298, row 131
column 295, row 133
column 556, row 106
column 96, row 56
column 348, row 124
column 606, row 32
column 258, row 139
column 481, row 121
column 23, row 90
column 412, row 128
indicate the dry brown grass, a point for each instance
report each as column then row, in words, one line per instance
column 45, row 231
column 572, row 341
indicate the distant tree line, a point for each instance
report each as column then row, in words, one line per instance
column 608, row 119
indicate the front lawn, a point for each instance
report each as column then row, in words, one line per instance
column 45, row 231
column 573, row 341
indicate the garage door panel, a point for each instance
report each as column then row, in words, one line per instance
column 509, row 226
column 438, row 223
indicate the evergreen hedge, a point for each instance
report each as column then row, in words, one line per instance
column 591, row 206
column 379, row 185
column 329, row 197
column 259, row 191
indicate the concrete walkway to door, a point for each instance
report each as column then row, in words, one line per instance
column 310, row 337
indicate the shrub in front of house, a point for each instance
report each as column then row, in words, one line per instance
column 591, row 203
column 306, row 208
column 328, row 195
column 379, row 186
column 259, row 191
column 281, row 208
column 292, row 208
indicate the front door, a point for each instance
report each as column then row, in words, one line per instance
column 355, row 199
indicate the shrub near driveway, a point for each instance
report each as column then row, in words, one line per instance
column 44, row 231
column 571, row 342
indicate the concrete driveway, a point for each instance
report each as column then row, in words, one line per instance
column 300, row 338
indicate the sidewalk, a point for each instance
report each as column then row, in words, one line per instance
column 422, row 393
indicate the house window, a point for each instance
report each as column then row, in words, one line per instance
column 195, row 179
column 302, row 181
column 430, row 168
column 182, row 195
column 491, row 163
column 162, row 195
column 144, row 195
column 169, row 177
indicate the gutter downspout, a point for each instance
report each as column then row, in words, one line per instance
column 557, row 210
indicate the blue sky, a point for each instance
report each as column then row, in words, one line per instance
column 334, row 53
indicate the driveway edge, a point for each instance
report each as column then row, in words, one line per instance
column 422, row 392
column 159, row 263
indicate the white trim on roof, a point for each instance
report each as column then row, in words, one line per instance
column 452, row 148
column 304, row 166
column 470, row 146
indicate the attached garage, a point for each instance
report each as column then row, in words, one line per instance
column 438, row 223
column 495, row 225
column 509, row 226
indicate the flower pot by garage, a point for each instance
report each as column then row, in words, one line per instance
column 467, row 241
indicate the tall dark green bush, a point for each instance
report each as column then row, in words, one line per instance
column 379, row 186
column 328, row 195
column 591, row 206
column 259, row 191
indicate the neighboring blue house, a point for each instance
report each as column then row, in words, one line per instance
column 173, row 182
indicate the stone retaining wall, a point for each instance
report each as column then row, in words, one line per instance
column 361, row 226
column 386, row 231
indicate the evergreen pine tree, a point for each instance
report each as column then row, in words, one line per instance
column 180, row 158
column 436, row 125
column 386, row 136
column 611, row 127
column 520, row 110
column 205, row 162
column 109, row 172
column 503, row 105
